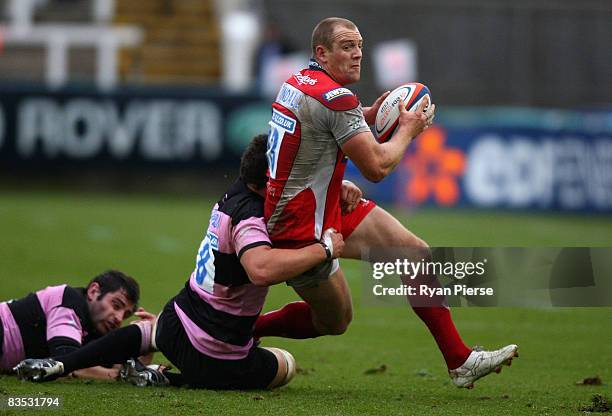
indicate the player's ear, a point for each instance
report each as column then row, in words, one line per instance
column 93, row 291
column 321, row 54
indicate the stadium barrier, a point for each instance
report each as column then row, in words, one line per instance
column 126, row 128
column 508, row 158
column 511, row 158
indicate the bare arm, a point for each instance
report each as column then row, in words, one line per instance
column 97, row 373
column 376, row 160
column 267, row 266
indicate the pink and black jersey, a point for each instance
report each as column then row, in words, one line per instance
column 36, row 325
column 312, row 116
column 219, row 305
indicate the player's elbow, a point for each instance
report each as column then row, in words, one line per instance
column 377, row 177
column 259, row 279
column 260, row 276
column 375, row 174
column 378, row 168
column 259, row 265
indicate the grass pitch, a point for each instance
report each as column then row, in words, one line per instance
column 387, row 363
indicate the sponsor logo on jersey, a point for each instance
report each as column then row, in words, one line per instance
column 289, row 97
column 337, row 92
column 282, row 121
column 354, row 123
column 213, row 240
column 215, row 219
column 304, row 79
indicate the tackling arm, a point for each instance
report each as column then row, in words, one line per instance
column 267, row 266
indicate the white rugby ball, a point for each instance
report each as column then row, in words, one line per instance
column 387, row 117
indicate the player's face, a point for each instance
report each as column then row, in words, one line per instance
column 344, row 59
column 109, row 311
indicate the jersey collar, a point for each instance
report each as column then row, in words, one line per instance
column 314, row 65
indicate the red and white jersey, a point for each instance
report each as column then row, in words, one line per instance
column 312, row 116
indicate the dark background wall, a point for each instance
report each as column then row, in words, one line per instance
column 480, row 52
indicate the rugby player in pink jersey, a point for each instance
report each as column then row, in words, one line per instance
column 206, row 330
column 60, row 319
column 318, row 124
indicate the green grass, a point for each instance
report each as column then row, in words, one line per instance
column 51, row 238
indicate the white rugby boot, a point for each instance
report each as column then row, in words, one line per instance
column 135, row 373
column 39, row 369
column 481, row 363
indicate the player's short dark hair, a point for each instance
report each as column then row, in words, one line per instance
column 254, row 164
column 113, row 280
column 323, row 31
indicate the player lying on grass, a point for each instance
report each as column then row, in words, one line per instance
column 316, row 125
column 206, row 330
column 60, row 319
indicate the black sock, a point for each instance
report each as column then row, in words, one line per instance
column 114, row 348
column 176, row 379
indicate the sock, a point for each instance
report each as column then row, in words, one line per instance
column 294, row 320
column 113, row 348
column 176, row 379
column 434, row 312
column 441, row 326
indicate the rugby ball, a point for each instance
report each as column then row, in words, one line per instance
column 387, row 117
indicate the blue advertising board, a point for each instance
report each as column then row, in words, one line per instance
column 554, row 160
column 508, row 158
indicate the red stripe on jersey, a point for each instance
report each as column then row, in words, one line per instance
column 285, row 158
column 289, row 148
column 296, row 223
column 326, row 91
column 332, row 202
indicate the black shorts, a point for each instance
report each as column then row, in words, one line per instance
column 255, row 371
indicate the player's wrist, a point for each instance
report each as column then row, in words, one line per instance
column 328, row 243
column 328, row 252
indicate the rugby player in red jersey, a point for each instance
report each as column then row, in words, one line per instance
column 317, row 125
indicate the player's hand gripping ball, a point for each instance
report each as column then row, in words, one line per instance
column 387, row 117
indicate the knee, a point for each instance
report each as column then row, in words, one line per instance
column 342, row 325
column 407, row 239
column 423, row 249
column 338, row 326
column 416, row 246
column 421, row 244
